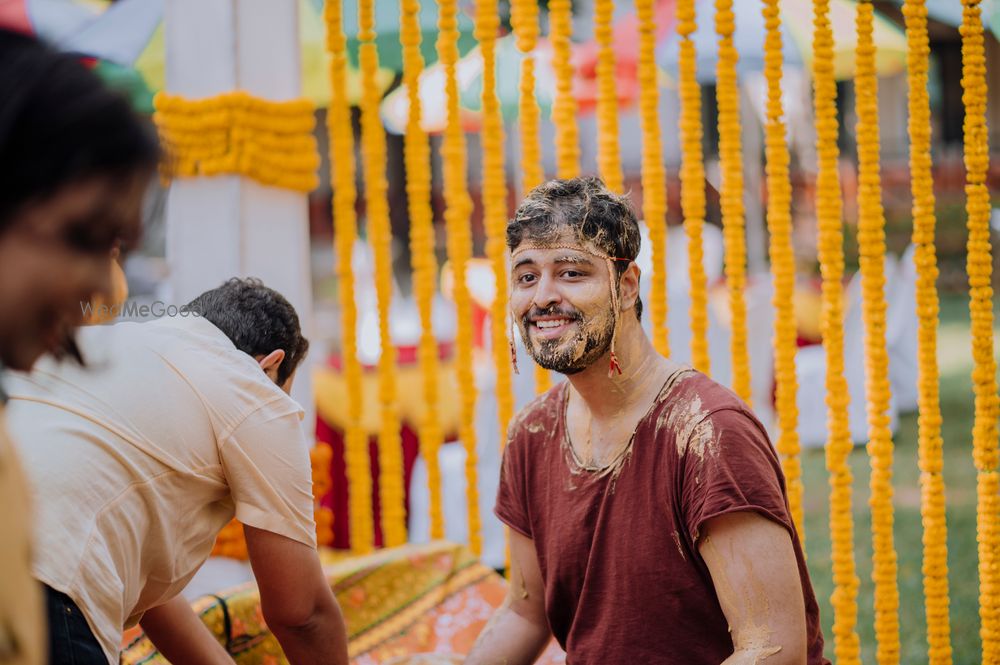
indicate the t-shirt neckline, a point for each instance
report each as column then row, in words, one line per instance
column 668, row 384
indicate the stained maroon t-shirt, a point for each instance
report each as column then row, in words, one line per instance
column 624, row 582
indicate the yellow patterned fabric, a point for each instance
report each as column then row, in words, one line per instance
column 397, row 602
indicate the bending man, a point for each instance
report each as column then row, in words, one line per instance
column 138, row 460
column 648, row 516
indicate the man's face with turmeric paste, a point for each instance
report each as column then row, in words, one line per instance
column 561, row 301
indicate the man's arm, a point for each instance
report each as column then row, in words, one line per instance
column 518, row 631
column 180, row 636
column 296, row 600
column 757, row 581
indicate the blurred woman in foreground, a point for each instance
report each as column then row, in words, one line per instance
column 74, row 163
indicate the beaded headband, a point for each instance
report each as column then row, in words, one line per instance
column 614, row 366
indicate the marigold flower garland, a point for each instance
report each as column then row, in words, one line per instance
column 847, row 647
column 238, row 133
column 423, row 256
column 608, row 157
column 390, row 451
column 871, row 248
column 567, row 138
column 693, row 182
column 654, row 175
column 457, row 213
column 932, row 499
column 979, row 267
column 362, row 529
column 731, row 157
column 779, row 225
column 524, row 19
column 320, row 458
column 495, row 204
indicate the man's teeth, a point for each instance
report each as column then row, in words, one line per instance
column 552, row 324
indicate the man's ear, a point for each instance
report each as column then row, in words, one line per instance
column 271, row 362
column 628, row 286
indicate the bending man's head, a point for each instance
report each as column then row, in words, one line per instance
column 260, row 322
column 573, row 246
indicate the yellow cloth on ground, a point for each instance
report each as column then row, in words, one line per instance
column 22, row 623
column 432, row 598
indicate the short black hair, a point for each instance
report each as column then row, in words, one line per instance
column 257, row 319
column 586, row 207
column 59, row 123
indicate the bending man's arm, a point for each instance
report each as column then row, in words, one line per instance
column 296, row 600
column 518, row 631
column 756, row 578
column 180, row 636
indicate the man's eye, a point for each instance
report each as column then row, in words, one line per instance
column 527, row 278
column 572, row 274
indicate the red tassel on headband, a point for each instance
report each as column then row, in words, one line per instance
column 614, row 366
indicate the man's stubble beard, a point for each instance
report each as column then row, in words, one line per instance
column 591, row 342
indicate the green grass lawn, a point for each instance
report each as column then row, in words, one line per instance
column 960, row 479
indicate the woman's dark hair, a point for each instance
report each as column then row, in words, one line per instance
column 60, row 123
column 257, row 319
column 589, row 210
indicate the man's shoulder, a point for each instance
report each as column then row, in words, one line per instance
column 540, row 416
column 694, row 410
column 697, row 394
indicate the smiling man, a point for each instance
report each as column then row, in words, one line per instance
column 648, row 516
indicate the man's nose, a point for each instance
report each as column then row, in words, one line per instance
column 546, row 293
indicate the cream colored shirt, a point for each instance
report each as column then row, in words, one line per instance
column 140, row 459
column 22, row 621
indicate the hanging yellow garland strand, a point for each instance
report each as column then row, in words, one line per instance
column 979, row 267
column 847, row 647
column 654, row 175
column 524, row 19
column 871, row 248
column 779, row 225
column 932, row 499
column 495, row 207
column 608, row 157
column 733, row 225
column 390, row 452
column 423, row 256
column 693, row 182
column 457, row 214
column 564, row 106
column 362, row 530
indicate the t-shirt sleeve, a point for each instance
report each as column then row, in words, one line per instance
column 512, row 500
column 266, row 462
column 732, row 468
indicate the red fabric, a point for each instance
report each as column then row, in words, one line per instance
column 624, row 581
column 336, row 499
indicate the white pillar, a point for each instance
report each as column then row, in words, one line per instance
column 227, row 226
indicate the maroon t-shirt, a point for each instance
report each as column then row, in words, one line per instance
column 624, row 582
